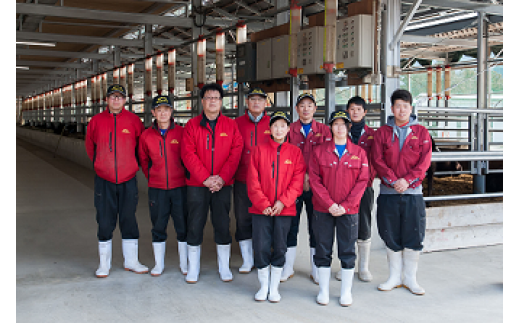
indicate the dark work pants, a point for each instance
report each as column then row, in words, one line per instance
column 292, row 238
column 365, row 214
column 113, row 200
column 166, row 203
column 200, row 201
column 347, row 233
column 242, row 216
column 401, row 220
column 270, row 239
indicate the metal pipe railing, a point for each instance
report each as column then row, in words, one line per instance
column 461, row 197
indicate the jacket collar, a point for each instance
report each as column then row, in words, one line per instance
column 299, row 126
column 275, row 145
column 156, row 126
column 330, row 146
column 204, row 120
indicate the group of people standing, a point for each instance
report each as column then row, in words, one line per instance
column 272, row 166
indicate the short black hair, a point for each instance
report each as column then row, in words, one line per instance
column 358, row 101
column 401, row 95
column 211, row 87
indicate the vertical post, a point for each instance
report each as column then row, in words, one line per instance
column 196, row 103
column 330, row 97
column 148, row 50
column 282, row 98
column 79, row 106
column 479, row 180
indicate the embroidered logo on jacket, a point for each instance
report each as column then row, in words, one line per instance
column 223, row 134
column 414, row 137
column 267, row 132
column 317, row 135
column 370, row 137
column 174, row 141
column 288, row 162
column 354, row 157
column 126, row 131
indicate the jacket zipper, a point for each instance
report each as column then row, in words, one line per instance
column 212, row 149
column 110, row 142
column 165, row 161
column 272, row 170
column 115, row 144
column 277, row 171
column 251, row 139
column 256, row 134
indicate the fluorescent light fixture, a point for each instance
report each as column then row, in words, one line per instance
column 23, row 67
column 448, row 19
column 32, row 43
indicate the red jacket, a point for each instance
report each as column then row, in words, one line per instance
column 253, row 135
column 334, row 180
column 411, row 163
column 205, row 153
column 318, row 134
column 111, row 143
column 276, row 173
column 160, row 157
column 365, row 141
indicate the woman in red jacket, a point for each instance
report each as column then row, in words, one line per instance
column 338, row 176
column 274, row 182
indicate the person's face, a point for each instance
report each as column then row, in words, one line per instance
column 116, row 102
column 211, row 102
column 162, row 113
column 279, row 129
column 256, row 104
column 356, row 112
column 402, row 111
column 306, row 109
column 339, row 129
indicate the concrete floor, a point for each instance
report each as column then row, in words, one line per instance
column 56, row 249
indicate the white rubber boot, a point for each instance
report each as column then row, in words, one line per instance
column 274, row 295
column 395, row 266
column 105, row 257
column 159, row 249
column 324, row 276
column 338, row 275
column 347, row 276
column 263, row 278
column 363, row 259
column 223, row 254
column 314, row 269
column 130, row 252
column 410, row 262
column 193, row 264
column 288, row 267
column 183, row 256
column 246, row 248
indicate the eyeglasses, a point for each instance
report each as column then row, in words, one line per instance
column 257, row 99
column 211, row 98
column 115, row 98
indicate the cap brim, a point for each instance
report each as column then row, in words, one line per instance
column 277, row 118
column 332, row 120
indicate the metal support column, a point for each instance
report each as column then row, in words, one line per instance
column 117, row 56
column 196, row 103
column 148, row 50
column 294, row 92
column 56, row 117
column 96, row 108
column 330, row 97
column 79, row 107
column 479, row 180
column 282, row 99
column 390, row 59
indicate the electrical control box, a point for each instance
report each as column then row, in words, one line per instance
column 355, row 42
column 264, row 60
column 246, row 53
column 310, row 51
column 280, row 57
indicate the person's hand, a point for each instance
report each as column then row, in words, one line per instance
column 401, row 185
column 306, row 185
column 218, row 184
column 209, row 182
column 277, row 208
column 334, row 209
column 268, row 211
column 341, row 210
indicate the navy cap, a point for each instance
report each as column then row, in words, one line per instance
column 340, row 114
column 256, row 91
column 116, row 88
column 305, row 96
column 279, row 115
column 160, row 100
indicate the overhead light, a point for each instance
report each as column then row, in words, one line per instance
column 23, row 67
column 31, row 43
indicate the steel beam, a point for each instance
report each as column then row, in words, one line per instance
column 26, row 36
column 488, row 8
column 51, row 64
column 405, row 23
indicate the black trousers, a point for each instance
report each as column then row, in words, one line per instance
column 166, row 203
column 401, row 220
column 365, row 214
column 244, row 223
column 347, row 233
column 270, row 239
column 113, row 200
column 200, row 201
column 292, row 238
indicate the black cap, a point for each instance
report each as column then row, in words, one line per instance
column 340, row 114
column 305, row 96
column 160, row 100
column 279, row 115
column 116, row 88
column 256, row 91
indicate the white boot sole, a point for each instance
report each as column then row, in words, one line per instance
column 137, row 272
column 414, row 292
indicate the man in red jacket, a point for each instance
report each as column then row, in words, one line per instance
column 111, row 143
column 160, row 156
column 254, row 128
column 211, row 151
column 306, row 134
column 362, row 135
column 401, row 155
